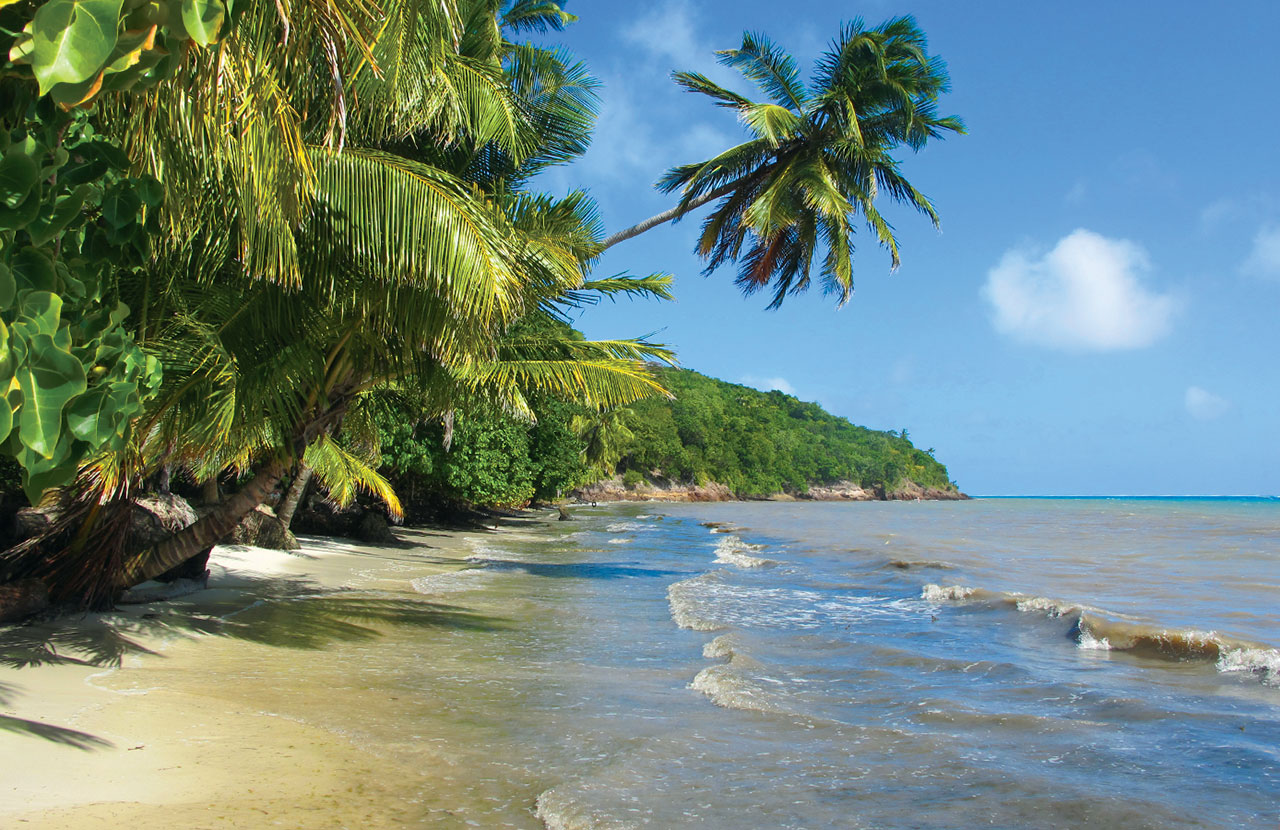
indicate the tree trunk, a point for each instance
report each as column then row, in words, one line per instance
column 294, row 497
column 209, row 491
column 667, row 215
column 206, row 532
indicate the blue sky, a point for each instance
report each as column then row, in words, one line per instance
column 1098, row 314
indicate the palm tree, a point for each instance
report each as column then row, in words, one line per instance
column 312, row 254
column 819, row 156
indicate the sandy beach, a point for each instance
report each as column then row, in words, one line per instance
column 182, row 714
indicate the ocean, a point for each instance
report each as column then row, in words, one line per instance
column 1012, row 663
column 1004, row 663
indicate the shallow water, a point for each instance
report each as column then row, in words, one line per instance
column 1008, row 663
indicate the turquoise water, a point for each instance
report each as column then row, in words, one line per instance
column 1008, row 663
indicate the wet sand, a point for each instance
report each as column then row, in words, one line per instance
column 177, row 713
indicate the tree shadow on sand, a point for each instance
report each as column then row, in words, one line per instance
column 277, row 611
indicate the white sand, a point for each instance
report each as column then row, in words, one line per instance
column 120, row 746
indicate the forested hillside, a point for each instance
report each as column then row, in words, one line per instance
column 759, row 443
column 754, row 443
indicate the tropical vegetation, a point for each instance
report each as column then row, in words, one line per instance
column 235, row 236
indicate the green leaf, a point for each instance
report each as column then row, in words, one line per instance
column 18, row 175
column 39, row 473
column 8, row 286
column 103, row 412
column 49, row 381
column 66, row 210
column 203, row 19
column 120, row 207
column 6, row 420
column 33, row 270
column 73, row 39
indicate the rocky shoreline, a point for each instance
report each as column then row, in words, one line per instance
column 611, row 490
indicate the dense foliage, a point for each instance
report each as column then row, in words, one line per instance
column 755, row 443
column 492, row 458
column 758, row 443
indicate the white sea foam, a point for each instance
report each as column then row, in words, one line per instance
column 1087, row 642
column 721, row 648
column 558, row 809
column 939, row 593
column 727, row 686
column 621, row 540
column 731, row 550
column 1265, row 662
column 686, row 600
column 1044, row 605
column 628, row 527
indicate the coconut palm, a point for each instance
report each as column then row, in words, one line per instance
column 818, row 157
column 311, row 254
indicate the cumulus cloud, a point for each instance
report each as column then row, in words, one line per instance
column 766, row 384
column 1204, row 405
column 1086, row 293
column 1264, row 258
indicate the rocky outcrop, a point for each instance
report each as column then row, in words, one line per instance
column 373, row 529
column 839, row 491
column 262, row 529
column 911, row 491
column 22, row 599
column 155, row 517
column 662, row 490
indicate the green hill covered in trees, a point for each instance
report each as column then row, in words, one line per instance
column 760, row 443
column 754, row 443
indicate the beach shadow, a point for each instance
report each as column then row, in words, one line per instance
column 286, row 612
column 73, row 738
column 577, row 570
column 47, row 731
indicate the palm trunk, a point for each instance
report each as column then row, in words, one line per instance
column 294, row 497
column 667, row 215
column 206, row 532
column 209, row 491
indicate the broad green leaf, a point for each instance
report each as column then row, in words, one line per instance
column 33, row 270
column 102, row 413
column 12, row 219
column 6, row 420
column 73, row 39
column 39, row 473
column 68, row 96
column 8, row 286
column 203, row 19
column 49, row 381
column 65, row 211
column 20, row 52
column 6, row 362
column 120, row 207
column 18, row 174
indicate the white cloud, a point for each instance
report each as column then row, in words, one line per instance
column 1264, row 258
column 1204, row 405
column 1086, row 293
column 765, row 384
column 670, row 35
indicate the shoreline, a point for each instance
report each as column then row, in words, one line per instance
column 138, row 716
column 613, row 490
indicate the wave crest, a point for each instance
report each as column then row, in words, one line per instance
column 731, row 550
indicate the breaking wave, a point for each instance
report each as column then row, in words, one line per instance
column 687, row 600
column 1097, row 630
column 728, row 686
column 731, row 550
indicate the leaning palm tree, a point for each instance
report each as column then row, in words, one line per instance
column 818, row 157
